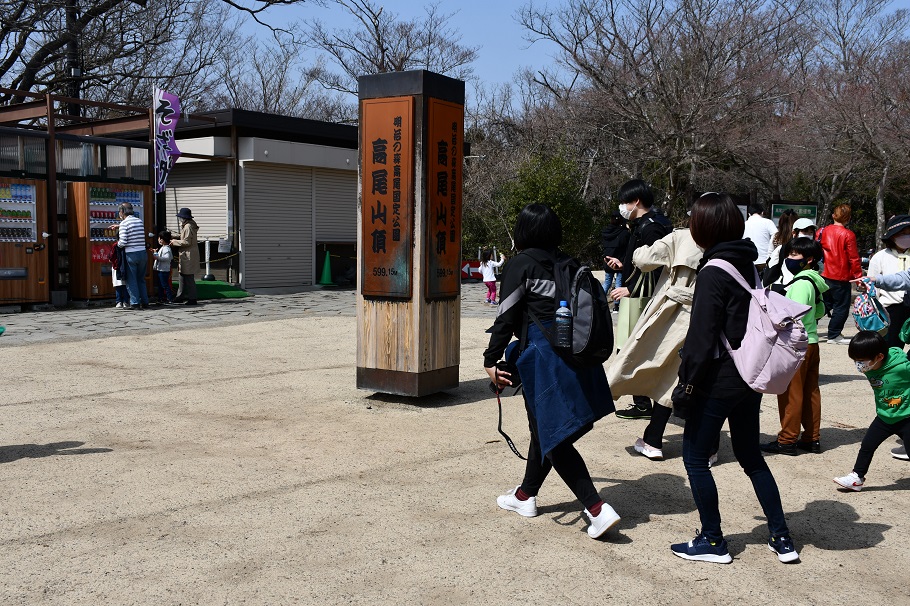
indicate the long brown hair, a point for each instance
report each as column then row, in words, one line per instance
column 785, row 227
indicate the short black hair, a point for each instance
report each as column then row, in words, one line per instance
column 807, row 247
column 636, row 189
column 165, row 235
column 715, row 218
column 537, row 227
column 756, row 209
column 866, row 344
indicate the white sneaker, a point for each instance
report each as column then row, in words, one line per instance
column 119, row 305
column 655, row 454
column 607, row 519
column 712, row 460
column 900, row 453
column 509, row 502
column 851, row 481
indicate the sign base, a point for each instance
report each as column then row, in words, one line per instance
column 413, row 384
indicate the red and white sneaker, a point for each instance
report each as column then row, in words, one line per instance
column 851, row 481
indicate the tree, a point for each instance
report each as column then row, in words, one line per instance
column 381, row 42
column 110, row 46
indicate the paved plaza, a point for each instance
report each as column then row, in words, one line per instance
column 223, row 455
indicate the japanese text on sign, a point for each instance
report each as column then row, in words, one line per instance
column 386, row 163
column 445, row 141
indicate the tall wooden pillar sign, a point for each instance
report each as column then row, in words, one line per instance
column 409, row 236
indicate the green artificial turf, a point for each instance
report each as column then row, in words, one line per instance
column 217, row 290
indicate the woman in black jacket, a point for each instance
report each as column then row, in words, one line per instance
column 711, row 390
column 562, row 401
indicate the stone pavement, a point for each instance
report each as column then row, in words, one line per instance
column 100, row 321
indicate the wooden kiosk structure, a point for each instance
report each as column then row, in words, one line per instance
column 69, row 173
column 409, row 232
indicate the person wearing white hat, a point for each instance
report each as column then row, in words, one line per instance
column 777, row 276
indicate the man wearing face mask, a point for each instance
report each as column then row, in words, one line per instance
column 647, row 226
column 892, row 259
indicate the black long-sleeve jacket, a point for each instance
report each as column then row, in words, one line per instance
column 527, row 284
column 720, row 305
column 646, row 230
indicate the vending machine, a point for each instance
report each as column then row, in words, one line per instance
column 93, row 219
column 23, row 249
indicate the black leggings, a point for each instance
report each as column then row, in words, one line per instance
column 568, row 464
column 878, row 432
column 899, row 314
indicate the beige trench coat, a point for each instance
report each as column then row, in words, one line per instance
column 648, row 363
column 189, row 251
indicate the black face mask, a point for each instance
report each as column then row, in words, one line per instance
column 794, row 266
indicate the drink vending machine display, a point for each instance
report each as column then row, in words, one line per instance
column 95, row 208
column 23, row 256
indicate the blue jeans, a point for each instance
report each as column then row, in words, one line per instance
column 120, row 295
column 699, row 442
column 837, row 301
column 163, row 279
column 136, row 265
column 612, row 280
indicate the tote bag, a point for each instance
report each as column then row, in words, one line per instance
column 631, row 308
column 869, row 313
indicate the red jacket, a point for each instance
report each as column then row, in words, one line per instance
column 841, row 255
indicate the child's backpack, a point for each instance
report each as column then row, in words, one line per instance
column 869, row 313
column 592, row 324
column 775, row 342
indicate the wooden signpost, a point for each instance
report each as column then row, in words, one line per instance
column 409, row 236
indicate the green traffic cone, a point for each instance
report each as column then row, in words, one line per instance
column 326, row 279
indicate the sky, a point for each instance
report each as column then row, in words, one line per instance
column 490, row 25
column 487, row 24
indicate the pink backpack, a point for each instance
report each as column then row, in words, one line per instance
column 775, row 342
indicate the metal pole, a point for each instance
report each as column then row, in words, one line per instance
column 208, row 261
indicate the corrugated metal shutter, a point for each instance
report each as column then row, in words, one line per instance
column 336, row 205
column 277, row 226
column 201, row 187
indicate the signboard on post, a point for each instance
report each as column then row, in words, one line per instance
column 445, row 136
column 167, row 112
column 803, row 211
column 387, row 208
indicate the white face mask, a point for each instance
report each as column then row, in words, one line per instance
column 864, row 366
column 805, row 234
column 625, row 212
column 902, row 241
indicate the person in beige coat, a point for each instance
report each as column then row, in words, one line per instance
column 188, row 257
column 648, row 363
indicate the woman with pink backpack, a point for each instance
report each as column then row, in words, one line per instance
column 711, row 390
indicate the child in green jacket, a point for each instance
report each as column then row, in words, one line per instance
column 801, row 404
column 888, row 371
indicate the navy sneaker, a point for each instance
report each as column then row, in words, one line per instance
column 703, row 550
column 783, row 547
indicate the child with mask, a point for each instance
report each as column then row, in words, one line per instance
column 801, row 404
column 888, row 371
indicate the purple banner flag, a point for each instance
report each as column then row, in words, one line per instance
column 167, row 113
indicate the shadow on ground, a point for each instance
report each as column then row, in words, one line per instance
column 468, row 392
column 11, row 453
column 831, row 525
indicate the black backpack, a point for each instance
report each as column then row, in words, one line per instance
column 592, row 324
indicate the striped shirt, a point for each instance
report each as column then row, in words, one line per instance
column 132, row 234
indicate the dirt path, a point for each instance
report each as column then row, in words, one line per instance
column 265, row 477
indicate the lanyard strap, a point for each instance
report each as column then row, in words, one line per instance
column 504, row 434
